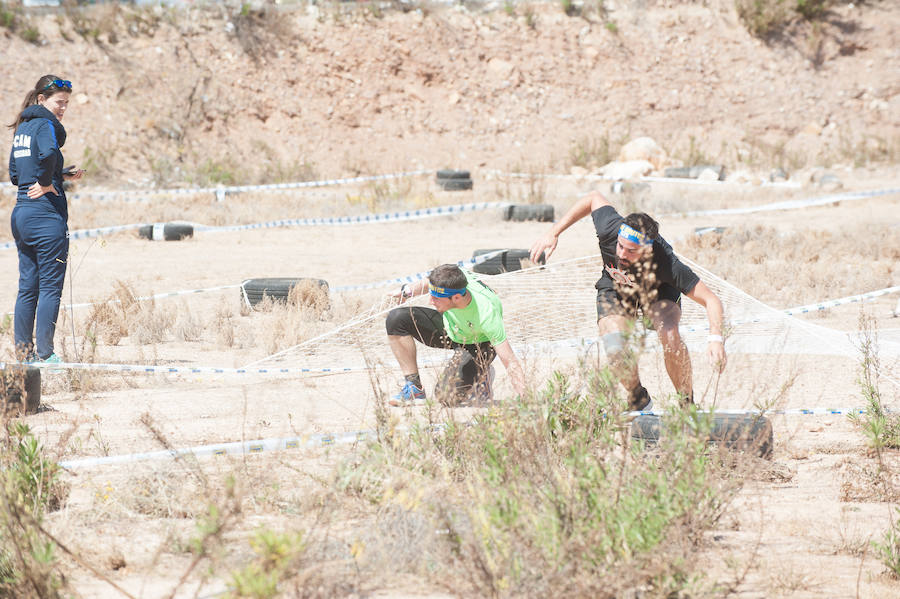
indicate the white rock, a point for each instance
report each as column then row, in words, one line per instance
column 708, row 174
column 644, row 148
column 628, row 169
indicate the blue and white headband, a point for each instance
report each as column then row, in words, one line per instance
column 634, row 235
column 445, row 291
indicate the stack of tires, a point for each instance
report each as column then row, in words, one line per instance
column 451, row 180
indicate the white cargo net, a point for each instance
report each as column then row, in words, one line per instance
column 550, row 312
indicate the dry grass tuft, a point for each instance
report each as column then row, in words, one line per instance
column 808, row 266
column 869, row 480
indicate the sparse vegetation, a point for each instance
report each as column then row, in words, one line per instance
column 549, row 493
column 764, row 17
column 29, row 487
column 591, row 152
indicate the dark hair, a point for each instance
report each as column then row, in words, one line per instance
column 640, row 221
column 44, row 87
column 449, row 276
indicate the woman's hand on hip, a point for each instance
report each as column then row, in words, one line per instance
column 37, row 190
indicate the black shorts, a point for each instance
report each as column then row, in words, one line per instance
column 611, row 303
column 470, row 362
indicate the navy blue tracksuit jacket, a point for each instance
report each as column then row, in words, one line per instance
column 39, row 228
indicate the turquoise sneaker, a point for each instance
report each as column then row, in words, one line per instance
column 410, row 395
column 52, row 359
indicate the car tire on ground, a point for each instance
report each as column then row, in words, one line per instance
column 22, row 387
column 750, row 433
column 166, row 231
column 506, row 261
column 452, row 174
column 309, row 291
column 455, row 184
column 522, row 212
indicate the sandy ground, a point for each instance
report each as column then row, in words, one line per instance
column 789, row 533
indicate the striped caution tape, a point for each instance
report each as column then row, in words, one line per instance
column 593, row 177
column 325, row 440
column 150, row 369
column 793, row 204
column 236, row 448
column 86, row 233
column 387, row 217
column 221, row 191
column 841, row 301
column 419, row 276
column 385, row 283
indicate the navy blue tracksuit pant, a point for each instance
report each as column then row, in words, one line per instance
column 42, row 240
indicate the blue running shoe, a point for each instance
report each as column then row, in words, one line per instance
column 410, row 395
column 51, row 359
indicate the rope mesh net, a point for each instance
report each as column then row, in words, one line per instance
column 550, row 315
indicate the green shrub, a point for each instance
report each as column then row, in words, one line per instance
column 551, row 492
column 276, row 554
column 888, row 550
column 29, row 486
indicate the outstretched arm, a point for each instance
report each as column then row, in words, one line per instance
column 715, row 349
column 408, row 290
column 512, row 365
column 579, row 210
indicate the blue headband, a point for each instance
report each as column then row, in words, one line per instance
column 444, row 291
column 634, row 235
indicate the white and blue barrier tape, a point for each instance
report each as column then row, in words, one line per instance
column 419, row 276
column 150, row 369
column 86, row 233
column 235, row 448
column 326, row 440
column 591, row 177
column 405, row 215
column 386, row 217
column 841, row 301
column 221, row 191
column 793, row 204
column 385, row 283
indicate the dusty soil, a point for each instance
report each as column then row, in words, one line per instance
column 332, row 90
column 329, row 93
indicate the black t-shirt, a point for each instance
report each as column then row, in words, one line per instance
column 669, row 272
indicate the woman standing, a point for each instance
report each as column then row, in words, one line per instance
column 41, row 213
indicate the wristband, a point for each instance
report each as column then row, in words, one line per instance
column 404, row 293
column 718, row 338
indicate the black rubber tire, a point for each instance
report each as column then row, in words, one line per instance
column 279, row 289
column 16, row 383
column 740, row 432
column 451, row 174
column 521, row 212
column 171, row 231
column 507, row 261
column 455, row 184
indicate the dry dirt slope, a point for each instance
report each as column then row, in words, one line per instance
column 332, row 89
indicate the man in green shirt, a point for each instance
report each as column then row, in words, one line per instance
column 467, row 318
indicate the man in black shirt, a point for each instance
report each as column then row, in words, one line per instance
column 641, row 273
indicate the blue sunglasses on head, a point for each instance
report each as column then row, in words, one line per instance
column 60, row 83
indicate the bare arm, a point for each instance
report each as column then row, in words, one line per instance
column 408, row 290
column 512, row 365
column 579, row 210
column 704, row 296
